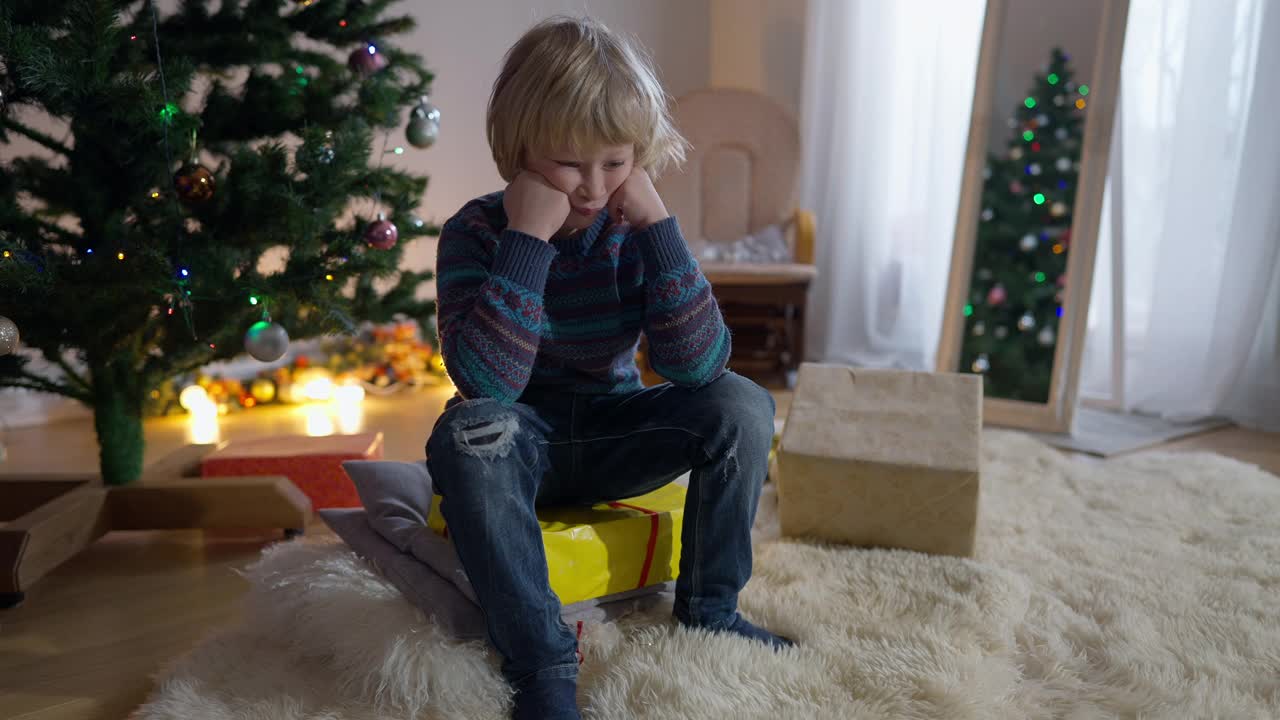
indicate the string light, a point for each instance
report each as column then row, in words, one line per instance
column 1039, row 277
column 90, row 251
column 8, row 254
column 168, row 112
column 328, row 277
column 1084, row 89
column 185, row 272
column 1038, row 198
column 120, row 256
column 1053, row 78
column 342, row 23
column 1028, row 135
column 1080, row 104
column 253, row 299
column 1029, row 102
column 968, row 310
column 1058, row 249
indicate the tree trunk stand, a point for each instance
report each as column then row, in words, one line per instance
column 46, row 520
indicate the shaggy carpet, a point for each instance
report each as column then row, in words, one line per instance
column 1140, row 587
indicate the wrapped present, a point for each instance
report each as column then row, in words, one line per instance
column 314, row 464
column 882, row 458
column 607, row 548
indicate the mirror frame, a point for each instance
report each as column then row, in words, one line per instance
column 1055, row 415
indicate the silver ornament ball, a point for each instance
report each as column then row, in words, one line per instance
column 1028, row 243
column 1045, row 337
column 981, row 364
column 1034, row 168
column 266, row 341
column 1060, row 133
column 424, row 125
column 1063, row 164
column 1026, row 322
column 1001, row 332
column 8, row 336
column 1016, row 153
column 987, row 214
column 979, row 329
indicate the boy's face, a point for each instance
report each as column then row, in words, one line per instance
column 589, row 178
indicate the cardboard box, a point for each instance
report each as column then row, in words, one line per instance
column 314, row 464
column 882, row 458
column 607, row 548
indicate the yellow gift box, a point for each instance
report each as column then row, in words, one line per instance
column 606, row 548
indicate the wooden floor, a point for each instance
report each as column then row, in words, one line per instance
column 94, row 633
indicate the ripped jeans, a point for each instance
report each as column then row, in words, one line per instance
column 493, row 463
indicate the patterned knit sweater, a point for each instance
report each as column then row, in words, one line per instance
column 518, row 313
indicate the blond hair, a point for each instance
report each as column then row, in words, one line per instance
column 571, row 83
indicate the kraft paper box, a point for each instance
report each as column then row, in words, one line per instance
column 607, row 548
column 314, row 464
column 882, row 458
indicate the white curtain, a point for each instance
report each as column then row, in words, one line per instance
column 887, row 95
column 888, row 87
column 1199, row 216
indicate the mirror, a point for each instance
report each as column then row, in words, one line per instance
column 1030, row 201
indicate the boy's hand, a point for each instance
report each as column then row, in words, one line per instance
column 637, row 200
column 534, row 206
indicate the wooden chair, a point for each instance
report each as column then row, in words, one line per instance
column 740, row 177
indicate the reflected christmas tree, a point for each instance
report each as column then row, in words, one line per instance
column 1023, row 239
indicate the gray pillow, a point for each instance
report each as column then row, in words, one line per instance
column 433, row 595
column 397, row 496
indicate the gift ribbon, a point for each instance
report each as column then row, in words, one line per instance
column 654, row 523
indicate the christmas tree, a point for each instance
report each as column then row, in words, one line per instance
column 1024, row 232
column 184, row 148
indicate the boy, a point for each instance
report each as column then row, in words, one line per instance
column 544, row 290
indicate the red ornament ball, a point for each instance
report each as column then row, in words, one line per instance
column 997, row 296
column 381, row 234
column 366, row 59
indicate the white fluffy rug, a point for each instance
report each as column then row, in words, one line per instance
column 1143, row 587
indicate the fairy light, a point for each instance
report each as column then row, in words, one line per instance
column 120, row 256
column 1053, row 78
column 1084, row 89
column 1028, row 135
column 1029, row 102
column 329, row 277
column 1080, row 104
column 253, row 299
column 1038, row 198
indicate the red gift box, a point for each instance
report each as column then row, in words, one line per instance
column 314, row 464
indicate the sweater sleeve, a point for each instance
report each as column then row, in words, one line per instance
column 490, row 307
column 688, row 341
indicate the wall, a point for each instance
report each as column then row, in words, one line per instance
column 759, row 45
